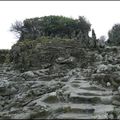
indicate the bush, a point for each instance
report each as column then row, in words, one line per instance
column 114, row 35
column 52, row 26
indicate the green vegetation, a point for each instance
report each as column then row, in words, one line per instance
column 114, row 35
column 54, row 26
column 61, row 27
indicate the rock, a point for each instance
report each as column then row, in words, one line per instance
column 7, row 116
column 117, row 67
column 51, row 98
column 46, row 65
column 74, row 72
column 40, row 113
column 115, row 102
column 1, row 108
column 102, row 68
column 4, row 83
column 17, row 78
column 3, row 55
column 103, row 78
column 60, row 96
column 60, row 59
column 119, row 89
column 22, row 116
column 106, row 100
column 69, row 60
column 84, row 99
column 6, row 88
column 64, row 79
column 107, row 68
column 112, row 115
column 19, row 96
column 32, row 104
column 108, row 84
column 41, row 72
column 51, row 84
column 98, row 57
column 29, row 74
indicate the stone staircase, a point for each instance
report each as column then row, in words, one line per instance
column 86, row 101
column 78, row 98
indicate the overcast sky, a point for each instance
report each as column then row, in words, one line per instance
column 101, row 14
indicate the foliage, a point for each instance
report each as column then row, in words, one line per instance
column 114, row 35
column 53, row 26
column 93, row 41
column 17, row 28
column 93, row 34
column 84, row 25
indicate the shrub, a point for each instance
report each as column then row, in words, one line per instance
column 114, row 35
column 52, row 26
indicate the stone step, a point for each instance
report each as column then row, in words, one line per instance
column 74, row 98
column 82, row 111
column 73, row 108
column 96, row 88
column 98, row 108
column 82, row 84
column 80, row 116
column 93, row 92
column 84, row 99
column 87, row 85
column 79, row 81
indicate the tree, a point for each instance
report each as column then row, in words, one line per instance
column 114, row 35
column 17, row 28
column 93, row 34
column 94, row 38
column 84, row 24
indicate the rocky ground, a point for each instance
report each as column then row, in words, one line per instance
column 91, row 92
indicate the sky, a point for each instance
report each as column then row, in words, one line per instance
column 101, row 14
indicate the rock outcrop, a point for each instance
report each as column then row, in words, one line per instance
column 29, row 55
column 60, row 80
column 38, row 94
column 4, row 54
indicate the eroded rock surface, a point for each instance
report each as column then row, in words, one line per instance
column 71, row 86
column 37, row 94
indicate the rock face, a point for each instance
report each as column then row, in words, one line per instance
column 3, row 56
column 29, row 55
column 37, row 94
column 60, row 82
